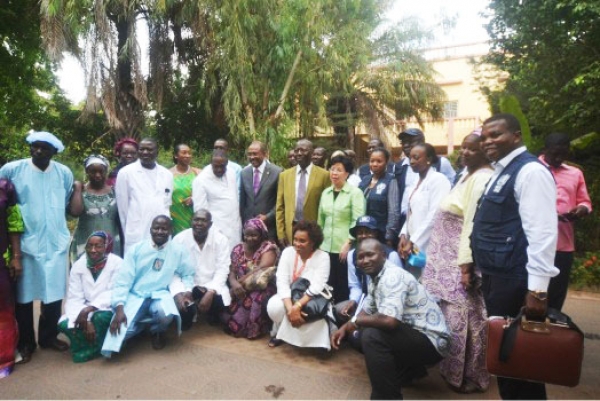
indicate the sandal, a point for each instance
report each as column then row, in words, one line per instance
column 275, row 342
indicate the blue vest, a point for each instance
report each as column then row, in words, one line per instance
column 377, row 199
column 498, row 241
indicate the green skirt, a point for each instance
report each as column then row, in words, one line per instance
column 81, row 349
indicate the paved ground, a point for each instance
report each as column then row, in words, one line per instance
column 207, row 364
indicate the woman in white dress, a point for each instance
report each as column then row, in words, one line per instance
column 303, row 259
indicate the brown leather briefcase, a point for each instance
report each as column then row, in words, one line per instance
column 548, row 352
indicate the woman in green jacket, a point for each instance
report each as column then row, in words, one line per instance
column 341, row 205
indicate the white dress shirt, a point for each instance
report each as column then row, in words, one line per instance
column 211, row 263
column 298, row 169
column 535, row 192
column 220, row 196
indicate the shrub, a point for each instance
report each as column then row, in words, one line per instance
column 586, row 272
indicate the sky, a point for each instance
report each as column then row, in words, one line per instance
column 468, row 29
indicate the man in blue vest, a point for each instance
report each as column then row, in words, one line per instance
column 514, row 235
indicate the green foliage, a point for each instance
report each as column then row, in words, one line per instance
column 585, row 274
column 510, row 104
column 550, row 48
column 248, row 69
column 587, row 230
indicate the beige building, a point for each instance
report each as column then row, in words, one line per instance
column 466, row 107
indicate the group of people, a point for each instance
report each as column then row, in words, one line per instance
column 231, row 245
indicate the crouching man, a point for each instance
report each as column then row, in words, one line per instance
column 402, row 330
column 141, row 296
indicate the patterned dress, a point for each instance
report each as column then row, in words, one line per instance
column 465, row 313
column 248, row 317
column 100, row 214
column 10, row 222
column 180, row 213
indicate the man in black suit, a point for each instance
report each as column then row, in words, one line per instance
column 258, row 189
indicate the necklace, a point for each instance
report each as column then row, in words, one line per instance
column 297, row 272
column 189, row 167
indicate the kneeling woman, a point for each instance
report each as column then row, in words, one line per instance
column 87, row 309
column 303, row 259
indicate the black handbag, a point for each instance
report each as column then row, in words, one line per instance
column 318, row 306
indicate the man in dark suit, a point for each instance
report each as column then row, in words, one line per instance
column 258, row 188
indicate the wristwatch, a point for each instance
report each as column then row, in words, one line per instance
column 539, row 295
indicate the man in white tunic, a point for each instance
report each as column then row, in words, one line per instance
column 144, row 190
column 44, row 190
column 215, row 190
column 209, row 252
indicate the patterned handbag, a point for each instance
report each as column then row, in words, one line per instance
column 258, row 279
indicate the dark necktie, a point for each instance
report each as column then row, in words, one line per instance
column 299, row 215
column 256, row 182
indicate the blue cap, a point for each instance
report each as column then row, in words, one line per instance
column 42, row 136
column 364, row 221
column 412, row 132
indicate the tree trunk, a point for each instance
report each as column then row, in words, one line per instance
column 350, row 127
column 288, row 84
column 249, row 112
column 128, row 108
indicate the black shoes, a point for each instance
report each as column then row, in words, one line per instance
column 56, row 345
column 158, row 341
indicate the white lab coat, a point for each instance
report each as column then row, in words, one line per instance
column 84, row 291
column 140, row 200
column 424, row 201
column 220, row 197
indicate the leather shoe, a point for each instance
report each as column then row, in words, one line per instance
column 25, row 354
column 56, row 345
column 158, row 341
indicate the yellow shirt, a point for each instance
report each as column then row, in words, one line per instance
column 462, row 201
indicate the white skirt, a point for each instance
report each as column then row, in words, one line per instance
column 314, row 334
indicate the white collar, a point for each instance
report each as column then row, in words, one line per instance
column 505, row 161
column 262, row 167
column 307, row 169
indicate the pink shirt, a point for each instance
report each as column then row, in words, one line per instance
column 570, row 193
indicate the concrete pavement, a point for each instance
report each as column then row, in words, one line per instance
column 205, row 363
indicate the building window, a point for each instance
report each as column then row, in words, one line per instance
column 451, row 109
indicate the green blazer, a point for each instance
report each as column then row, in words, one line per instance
column 338, row 215
column 285, row 208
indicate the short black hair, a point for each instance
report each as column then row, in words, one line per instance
column 345, row 161
column 385, row 152
column 149, row 139
column 312, row 229
column 512, row 123
column 557, row 139
column 163, row 217
column 219, row 153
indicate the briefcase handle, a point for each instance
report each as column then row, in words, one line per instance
column 553, row 317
